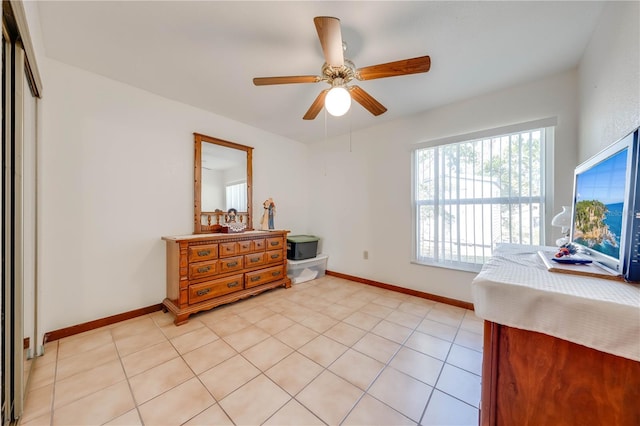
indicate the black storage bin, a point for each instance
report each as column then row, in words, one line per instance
column 301, row 247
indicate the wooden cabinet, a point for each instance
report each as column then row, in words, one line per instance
column 208, row 270
column 530, row 378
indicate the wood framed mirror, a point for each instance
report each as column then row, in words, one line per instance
column 223, row 173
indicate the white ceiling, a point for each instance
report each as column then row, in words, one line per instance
column 205, row 53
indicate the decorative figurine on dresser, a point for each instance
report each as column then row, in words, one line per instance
column 215, row 266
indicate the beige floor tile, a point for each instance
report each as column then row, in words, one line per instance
column 469, row 340
column 391, row 331
column 446, row 316
column 130, row 418
column 296, row 336
column 417, row 365
column 404, row 319
column 133, row 327
column 38, row 403
column 338, row 311
column 228, row 376
column 430, row 345
column 362, row 320
column 293, row 414
column 465, row 358
column 42, row 375
column 319, row 322
column 172, row 330
column 445, row 410
column 353, row 302
column 255, row 314
column 83, row 342
column 193, row 340
column 50, row 354
column 267, row 353
column 357, row 368
column 372, row 412
column 87, row 382
column 389, row 302
column 209, row 355
column 254, row 402
column 213, row 415
column 323, row 350
column 329, row 397
column 460, row 384
column 297, row 313
column 150, row 357
column 472, row 323
column 177, row 405
column 97, row 408
column 345, row 333
column 86, row 360
column 229, row 324
column 131, row 344
column 416, row 309
column 44, row 420
column 401, row 392
column 376, row 347
column 437, row 329
column 159, row 379
column 246, row 338
column 162, row 318
column 275, row 323
column 376, row 310
column 294, row 372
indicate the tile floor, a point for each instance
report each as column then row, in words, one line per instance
column 328, row 351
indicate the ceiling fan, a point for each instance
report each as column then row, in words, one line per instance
column 337, row 71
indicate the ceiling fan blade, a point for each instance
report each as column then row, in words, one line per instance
column 392, row 69
column 367, row 101
column 331, row 39
column 316, row 106
column 265, row 81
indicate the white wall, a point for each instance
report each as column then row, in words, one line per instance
column 610, row 79
column 116, row 175
column 362, row 199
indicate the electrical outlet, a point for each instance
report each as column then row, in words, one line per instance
column 365, row 254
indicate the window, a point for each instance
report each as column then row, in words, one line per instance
column 472, row 195
column 236, row 196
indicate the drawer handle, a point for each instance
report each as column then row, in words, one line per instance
column 233, row 284
column 254, row 259
column 203, row 269
column 275, row 256
column 275, row 243
column 231, row 264
column 256, row 278
column 275, row 273
column 244, row 246
column 204, row 252
column 203, row 292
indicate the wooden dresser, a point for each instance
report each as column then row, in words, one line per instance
column 208, row 270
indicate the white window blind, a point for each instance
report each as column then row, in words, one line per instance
column 472, row 195
column 236, row 196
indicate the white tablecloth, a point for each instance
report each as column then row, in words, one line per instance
column 514, row 288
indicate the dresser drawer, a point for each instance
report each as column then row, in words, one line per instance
column 259, row 245
column 228, row 249
column 203, row 252
column 230, row 264
column 275, row 256
column 245, row 247
column 203, row 269
column 275, row 243
column 210, row 289
column 263, row 276
column 253, row 260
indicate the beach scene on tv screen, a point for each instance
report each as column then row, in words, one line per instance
column 599, row 205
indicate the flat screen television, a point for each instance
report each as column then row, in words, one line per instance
column 606, row 215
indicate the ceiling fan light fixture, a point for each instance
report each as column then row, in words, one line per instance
column 338, row 101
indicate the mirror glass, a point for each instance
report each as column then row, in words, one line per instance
column 222, row 184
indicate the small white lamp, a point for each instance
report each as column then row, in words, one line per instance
column 338, row 99
column 563, row 221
